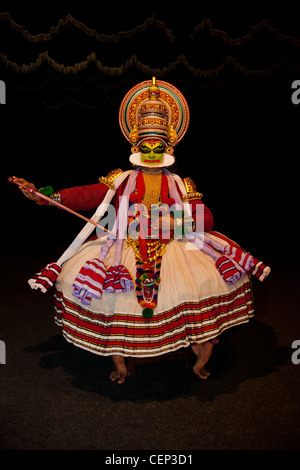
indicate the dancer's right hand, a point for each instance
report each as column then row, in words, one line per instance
column 28, row 194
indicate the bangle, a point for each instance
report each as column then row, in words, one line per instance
column 189, row 224
column 183, row 225
column 55, row 197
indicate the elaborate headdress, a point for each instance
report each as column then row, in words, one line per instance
column 154, row 109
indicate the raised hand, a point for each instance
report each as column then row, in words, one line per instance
column 23, row 184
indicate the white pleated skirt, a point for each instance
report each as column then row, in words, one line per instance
column 194, row 304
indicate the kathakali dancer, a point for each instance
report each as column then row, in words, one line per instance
column 162, row 279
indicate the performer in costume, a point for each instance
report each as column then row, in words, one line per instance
column 162, row 279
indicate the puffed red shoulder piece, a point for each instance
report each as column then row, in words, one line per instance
column 83, row 197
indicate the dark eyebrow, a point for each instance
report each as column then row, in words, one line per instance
column 144, row 149
column 159, row 149
column 145, row 146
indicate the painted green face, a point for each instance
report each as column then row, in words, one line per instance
column 152, row 152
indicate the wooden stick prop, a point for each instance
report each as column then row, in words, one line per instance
column 61, row 206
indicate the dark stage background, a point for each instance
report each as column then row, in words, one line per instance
column 67, row 66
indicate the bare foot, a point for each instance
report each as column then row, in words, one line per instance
column 120, row 373
column 203, row 352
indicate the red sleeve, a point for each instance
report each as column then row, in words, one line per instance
column 83, row 197
column 198, row 211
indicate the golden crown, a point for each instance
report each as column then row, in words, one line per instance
column 154, row 109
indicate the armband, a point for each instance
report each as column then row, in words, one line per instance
column 109, row 179
column 191, row 190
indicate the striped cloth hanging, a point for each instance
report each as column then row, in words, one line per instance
column 89, row 281
column 118, row 280
column 46, row 278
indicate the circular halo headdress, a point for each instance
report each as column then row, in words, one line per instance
column 154, row 109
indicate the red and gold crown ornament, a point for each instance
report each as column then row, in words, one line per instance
column 154, row 111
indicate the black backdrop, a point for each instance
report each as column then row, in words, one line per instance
column 235, row 65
